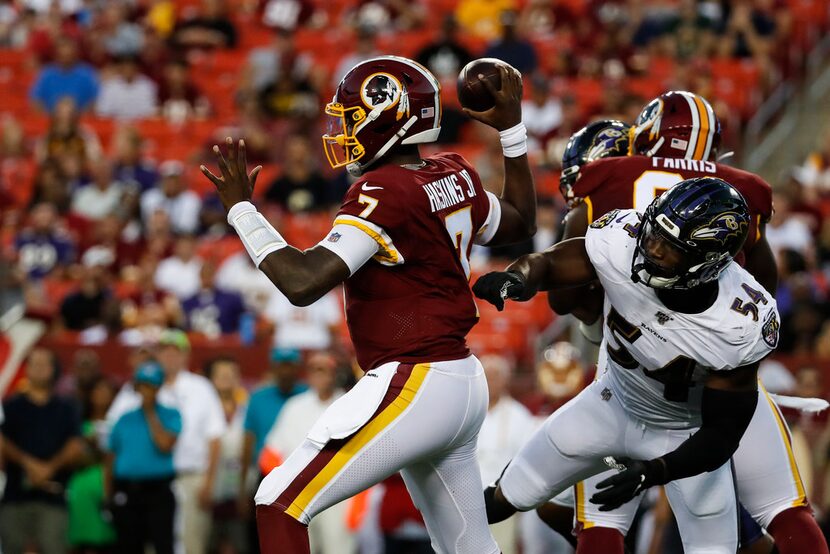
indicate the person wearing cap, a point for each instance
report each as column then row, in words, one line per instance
column 196, row 453
column 264, row 407
column 41, row 446
column 172, row 196
column 139, row 469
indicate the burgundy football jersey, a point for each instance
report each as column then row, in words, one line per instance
column 412, row 301
column 634, row 181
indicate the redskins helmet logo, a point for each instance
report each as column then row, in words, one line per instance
column 720, row 228
column 381, row 90
column 649, row 119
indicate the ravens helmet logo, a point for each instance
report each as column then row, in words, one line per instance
column 720, row 228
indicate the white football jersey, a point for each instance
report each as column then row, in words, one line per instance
column 658, row 359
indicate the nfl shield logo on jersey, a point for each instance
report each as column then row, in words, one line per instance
column 770, row 329
column 334, row 237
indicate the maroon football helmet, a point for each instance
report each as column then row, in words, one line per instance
column 677, row 124
column 379, row 103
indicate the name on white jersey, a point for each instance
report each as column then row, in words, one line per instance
column 688, row 165
column 447, row 192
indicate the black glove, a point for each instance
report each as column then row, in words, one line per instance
column 498, row 285
column 634, row 477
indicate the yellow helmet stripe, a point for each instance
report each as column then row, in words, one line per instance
column 704, row 129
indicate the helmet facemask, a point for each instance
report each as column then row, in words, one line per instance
column 340, row 143
column 692, row 268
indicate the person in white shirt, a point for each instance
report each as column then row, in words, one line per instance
column 239, row 274
column 541, row 113
column 173, row 197
column 179, row 274
column 196, row 454
column 304, row 328
column 328, row 531
column 127, row 94
column 506, row 428
column 103, row 196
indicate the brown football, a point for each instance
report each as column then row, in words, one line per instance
column 471, row 90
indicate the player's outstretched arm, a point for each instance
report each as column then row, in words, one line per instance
column 302, row 276
column 563, row 266
column 518, row 196
column 729, row 400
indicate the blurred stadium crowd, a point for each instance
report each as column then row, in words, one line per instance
column 111, row 238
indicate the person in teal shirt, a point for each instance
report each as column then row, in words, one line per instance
column 140, row 468
column 264, row 406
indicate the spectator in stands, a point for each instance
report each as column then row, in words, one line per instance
column 51, row 186
column 507, row 426
column 211, row 28
column 788, row 231
column 263, row 411
column 281, row 57
column 196, row 454
column 749, row 31
column 84, row 373
column 328, row 532
column 212, row 311
column 127, row 93
column 120, row 36
column 483, row 18
column 365, row 48
column 103, row 196
column 108, row 235
column 90, row 531
column 43, row 247
column 146, row 296
column 512, row 48
column 289, row 95
column 289, row 15
column 228, row 532
column 312, row 327
column 131, row 167
column 389, row 16
column 179, row 274
column 41, row 444
column 445, row 56
column 173, row 197
column 548, row 217
column 261, row 134
column 815, row 173
column 141, row 469
column 239, row 274
column 541, row 112
column 87, row 306
column 179, row 97
column 66, row 136
column 66, row 77
column 301, row 187
column 158, row 239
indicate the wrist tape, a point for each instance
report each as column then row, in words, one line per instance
column 258, row 236
column 514, row 141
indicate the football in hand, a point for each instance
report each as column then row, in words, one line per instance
column 472, row 93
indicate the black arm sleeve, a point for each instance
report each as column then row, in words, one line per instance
column 726, row 415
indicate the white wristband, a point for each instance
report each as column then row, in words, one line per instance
column 258, row 236
column 514, row 141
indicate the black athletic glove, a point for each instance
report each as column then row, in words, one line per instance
column 634, row 477
column 498, row 285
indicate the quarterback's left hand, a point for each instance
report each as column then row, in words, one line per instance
column 235, row 185
column 635, row 476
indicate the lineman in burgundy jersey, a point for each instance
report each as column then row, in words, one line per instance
column 634, row 181
column 400, row 245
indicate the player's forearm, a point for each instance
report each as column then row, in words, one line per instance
column 520, row 192
column 565, row 266
column 726, row 415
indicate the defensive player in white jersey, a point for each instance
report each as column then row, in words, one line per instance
column 685, row 328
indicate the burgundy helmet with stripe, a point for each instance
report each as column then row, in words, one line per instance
column 677, row 124
column 379, row 103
